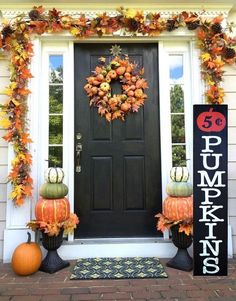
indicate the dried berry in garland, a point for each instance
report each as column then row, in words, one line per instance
column 116, row 106
column 229, row 53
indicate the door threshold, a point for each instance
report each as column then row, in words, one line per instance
column 119, row 240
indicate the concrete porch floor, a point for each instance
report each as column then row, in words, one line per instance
column 58, row 287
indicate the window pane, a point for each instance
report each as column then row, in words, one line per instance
column 55, row 129
column 176, row 67
column 55, row 156
column 178, row 155
column 56, row 68
column 177, row 127
column 55, row 99
column 177, row 99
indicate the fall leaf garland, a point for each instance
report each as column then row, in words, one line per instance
column 164, row 223
column 54, row 228
column 99, row 90
column 215, row 43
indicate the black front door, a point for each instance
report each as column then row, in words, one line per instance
column 118, row 190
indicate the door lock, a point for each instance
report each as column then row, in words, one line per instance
column 78, row 136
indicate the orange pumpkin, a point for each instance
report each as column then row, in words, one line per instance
column 120, row 70
column 125, row 106
column 178, row 208
column 52, row 210
column 112, row 74
column 100, row 77
column 26, row 258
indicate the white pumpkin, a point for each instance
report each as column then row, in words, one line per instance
column 179, row 174
column 54, row 175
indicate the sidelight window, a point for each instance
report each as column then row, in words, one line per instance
column 177, row 111
column 55, row 143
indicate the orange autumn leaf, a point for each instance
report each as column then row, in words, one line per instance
column 25, row 138
column 56, row 27
column 13, row 173
column 24, row 91
column 108, row 117
column 211, row 65
column 217, row 50
column 117, row 114
column 25, row 73
column 19, row 201
column 8, row 136
column 28, row 158
column 141, row 72
column 218, row 19
column 201, row 34
column 187, row 229
column 29, row 180
column 102, row 110
column 18, row 124
column 39, row 26
column 98, row 69
column 164, row 223
column 27, row 190
column 191, row 18
column 40, row 9
column 161, row 225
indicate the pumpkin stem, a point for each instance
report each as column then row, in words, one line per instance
column 29, row 238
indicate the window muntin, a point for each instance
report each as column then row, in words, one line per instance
column 178, row 139
column 55, row 142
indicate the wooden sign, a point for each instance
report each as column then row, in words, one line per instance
column 210, row 180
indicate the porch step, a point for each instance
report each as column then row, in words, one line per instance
column 128, row 247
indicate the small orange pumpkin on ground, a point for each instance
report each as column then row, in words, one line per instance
column 26, row 258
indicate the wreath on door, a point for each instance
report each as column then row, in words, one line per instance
column 98, row 87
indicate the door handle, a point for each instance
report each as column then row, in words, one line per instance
column 78, row 150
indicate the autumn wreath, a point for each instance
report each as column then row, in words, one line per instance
column 116, row 106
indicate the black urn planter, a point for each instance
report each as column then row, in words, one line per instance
column 52, row 262
column 182, row 260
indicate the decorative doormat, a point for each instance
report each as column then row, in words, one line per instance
column 118, row 268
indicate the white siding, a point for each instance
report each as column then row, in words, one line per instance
column 4, row 80
column 230, row 99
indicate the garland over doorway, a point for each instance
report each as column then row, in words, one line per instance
column 214, row 41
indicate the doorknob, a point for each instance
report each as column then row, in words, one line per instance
column 78, row 150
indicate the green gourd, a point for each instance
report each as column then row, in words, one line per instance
column 53, row 191
column 179, row 189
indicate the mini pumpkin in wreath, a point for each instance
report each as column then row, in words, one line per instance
column 116, row 106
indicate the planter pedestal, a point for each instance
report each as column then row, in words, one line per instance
column 52, row 262
column 182, row 260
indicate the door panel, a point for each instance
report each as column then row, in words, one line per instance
column 118, row 191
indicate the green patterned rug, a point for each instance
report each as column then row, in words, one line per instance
column 118, row 268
